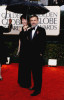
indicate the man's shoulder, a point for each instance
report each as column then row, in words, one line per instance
column 42, row 31
column 1, row 27
column 41, row 28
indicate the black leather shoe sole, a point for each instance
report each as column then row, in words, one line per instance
column 35, row 93
column 32, row 88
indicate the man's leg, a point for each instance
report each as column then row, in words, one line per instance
column 0, row 72
column 37, row 77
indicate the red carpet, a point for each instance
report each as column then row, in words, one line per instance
column 52, row 85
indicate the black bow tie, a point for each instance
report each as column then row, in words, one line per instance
column 33, row 28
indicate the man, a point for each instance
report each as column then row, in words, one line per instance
column 3, row 50
column 36, row 39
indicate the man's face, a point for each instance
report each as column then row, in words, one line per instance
column 24, row 22
column 33, row 21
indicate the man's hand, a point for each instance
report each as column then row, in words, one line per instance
column 10, row 21
column 40, row 54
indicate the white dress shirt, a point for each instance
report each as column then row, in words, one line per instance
column 33, row 31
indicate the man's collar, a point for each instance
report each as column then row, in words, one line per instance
column 35, row 27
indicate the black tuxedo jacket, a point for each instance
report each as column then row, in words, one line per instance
column 3, row 49
column 2, row 29
column 37, row 44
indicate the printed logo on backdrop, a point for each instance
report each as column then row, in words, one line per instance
column 5, row 21
column 49, row 21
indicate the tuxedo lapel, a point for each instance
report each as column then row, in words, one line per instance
column 36, row 32
column 30, row 34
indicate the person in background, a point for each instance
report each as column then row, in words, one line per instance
column 2, row 44
column 24, row 75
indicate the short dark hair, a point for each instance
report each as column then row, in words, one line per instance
column 25, row 17
column 34, row 16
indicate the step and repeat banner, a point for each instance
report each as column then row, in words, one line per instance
column 50, row 21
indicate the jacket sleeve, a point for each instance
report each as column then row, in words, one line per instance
column 6, row 30
column 43, row 41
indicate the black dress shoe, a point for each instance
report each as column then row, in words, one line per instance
column 35, row 93
column 24, row 86
column 1, row 78
column 32, row 88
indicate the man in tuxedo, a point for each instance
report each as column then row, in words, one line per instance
column 2, row 40
column 3, row 48
column 37, row 41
